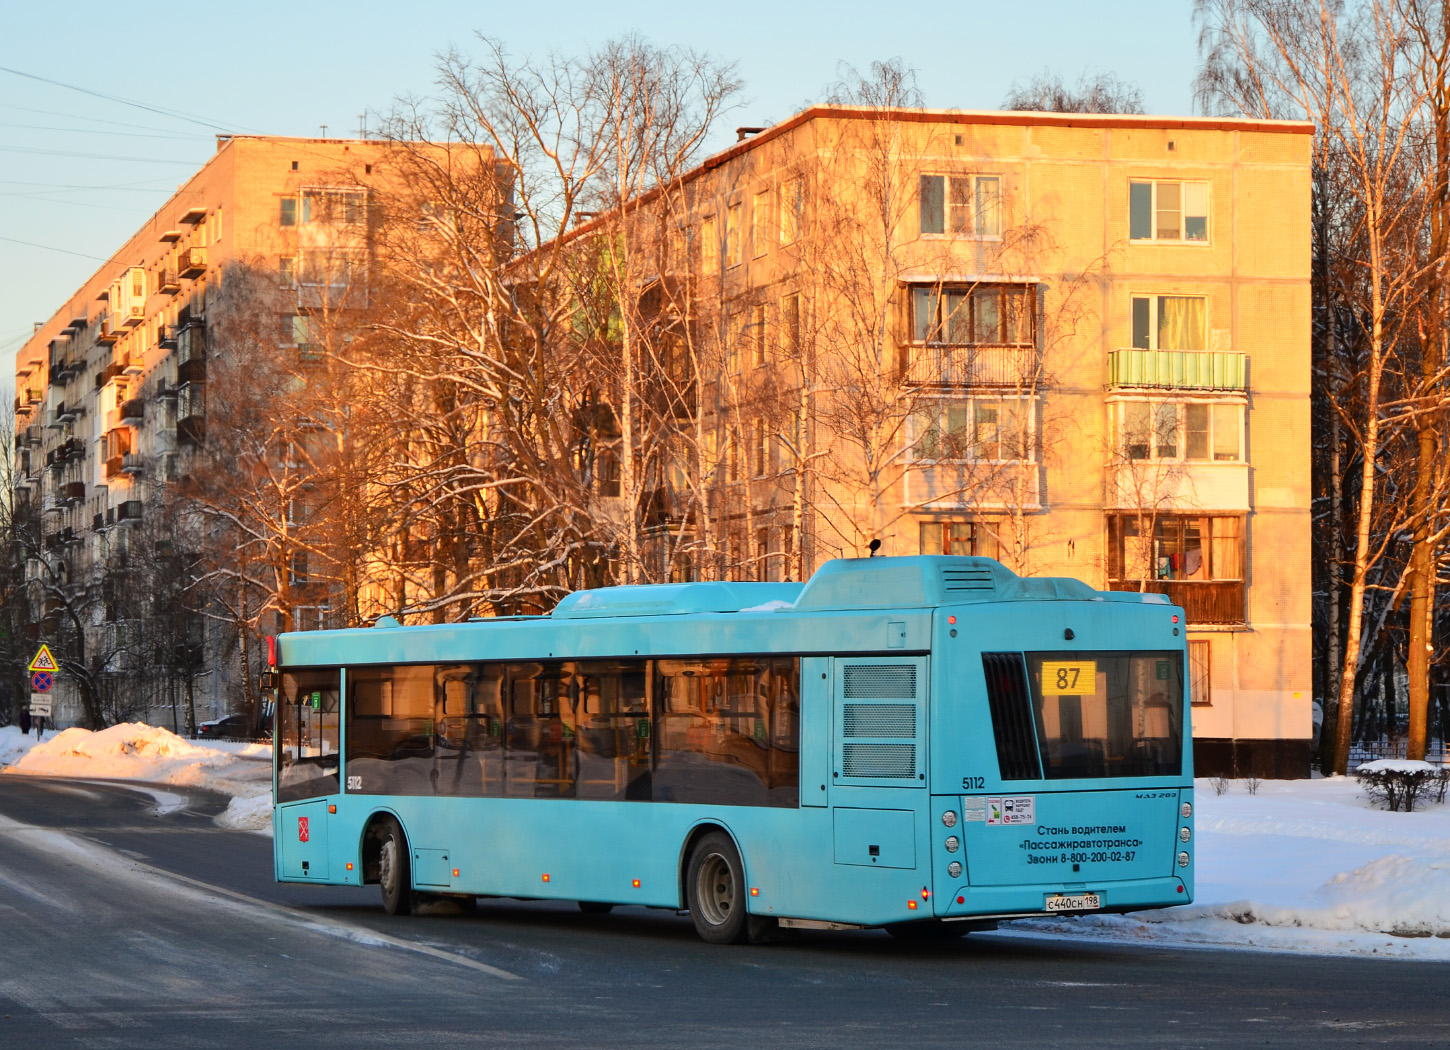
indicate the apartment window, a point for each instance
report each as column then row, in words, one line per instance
column 311, row 618
column 709, row 246
column 792, row 207
column 757, row 336
column 1184, row 547
column 287, row 271
column 1170, row 322
column 760, row 224
column 1167, row 210
column 288, row 216
column 970, row 538
column 1194, row 430
column 1199, row 680
column 974, row 428
column 961, row 205
column 760, row 448
column 791, row 322
column 996, row 314
column 732, row 236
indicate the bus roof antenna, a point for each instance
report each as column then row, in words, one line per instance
column 873, row 546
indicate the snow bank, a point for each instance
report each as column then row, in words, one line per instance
column 133, row 751
column 1305, row 866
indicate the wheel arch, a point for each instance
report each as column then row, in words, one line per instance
column 370, row 846
column 696, row 833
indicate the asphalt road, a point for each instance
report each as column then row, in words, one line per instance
column 128, row 921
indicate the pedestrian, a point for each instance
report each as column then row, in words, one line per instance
column 40, row 727
column 25, row 721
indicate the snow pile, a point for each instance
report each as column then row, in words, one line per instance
column 248, row 813
column 1397, row 765
column 1305, row 865
column 133, row 751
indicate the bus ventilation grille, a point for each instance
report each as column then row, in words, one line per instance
column 879, row 760
column 1011, row 706
column 972, row 579
column 884, row 681
column 879, row 720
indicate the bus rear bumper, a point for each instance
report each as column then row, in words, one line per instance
column 1020, row 901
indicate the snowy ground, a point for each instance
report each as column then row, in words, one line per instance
column 1302, row 866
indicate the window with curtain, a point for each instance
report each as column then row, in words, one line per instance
column 1170, row 322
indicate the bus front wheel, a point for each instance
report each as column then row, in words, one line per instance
column 394, row 877
column 715, row 890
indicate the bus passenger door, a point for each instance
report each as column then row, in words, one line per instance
column 879, row 719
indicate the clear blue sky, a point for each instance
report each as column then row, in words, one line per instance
column 81, row 173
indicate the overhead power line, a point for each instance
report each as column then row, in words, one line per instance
column 173, row 114
column 50, row 248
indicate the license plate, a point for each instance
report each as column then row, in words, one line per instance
column 1073, row 902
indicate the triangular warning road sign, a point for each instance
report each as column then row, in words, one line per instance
column 43, row 661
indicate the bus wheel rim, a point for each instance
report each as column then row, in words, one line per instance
column 387, row 863
column 716, row 890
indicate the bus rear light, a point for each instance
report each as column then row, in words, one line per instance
column 635, row 883
column 961, row 900
column 1183, row 859
column 925, row 893
column 349, row 865
column 455, row 873
column 1180, row 889
column 755, row 891
column 951, row 619
column 911, row 905
column 546, row 876
column 1175, row 617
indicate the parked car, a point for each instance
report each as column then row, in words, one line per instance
column 232, row 727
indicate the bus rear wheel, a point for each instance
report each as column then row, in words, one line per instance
column 715, row 890
column 595, row 907
column 394, row 877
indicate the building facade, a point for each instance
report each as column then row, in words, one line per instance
column 112, row 403
column 1077, row 343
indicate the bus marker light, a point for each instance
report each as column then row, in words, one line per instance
column 349, row 865
column 755, row 891
column 636, row 884
column 951, row 619
column 925, row 893
column 911, row 905
column 1180, row 889
column 332, row 809
column 961, row 900
column 546, row 877
column 1175, row 617
column 455, row 873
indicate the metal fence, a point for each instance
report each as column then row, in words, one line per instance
column 1361, row 753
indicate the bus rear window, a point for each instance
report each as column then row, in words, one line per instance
column 1102, row 714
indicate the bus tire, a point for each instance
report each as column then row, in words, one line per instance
column 929, row 931
column 595, row 907
column 715, row 890
column 394, row 873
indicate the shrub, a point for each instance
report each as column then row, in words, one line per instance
column 1399, row 783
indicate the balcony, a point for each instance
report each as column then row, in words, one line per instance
column 191, row 262
column 1178, row 370
column 957, row 367
column 191, row 354
column 73, row 491
column 130, row 510
column 167, row 282
column 133, row 409
column 108, row 331
column 132, row 463
column 166, row 337
column 1204, row 602
column 1177, row 485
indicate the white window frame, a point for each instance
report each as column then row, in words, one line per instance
column 791, row 200
column 1153, row 312
column 1119, row 426
column 933, row 413
column 760, row 224
column 972, row 225
column 1183, row 212
column 734, row 256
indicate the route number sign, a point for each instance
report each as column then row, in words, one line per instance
column 1069, row 677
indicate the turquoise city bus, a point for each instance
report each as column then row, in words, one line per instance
column 927, row 744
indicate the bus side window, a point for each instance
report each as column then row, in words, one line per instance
column 469, row 754
column 390, row 731
column 539, row 752
column 613, row 730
